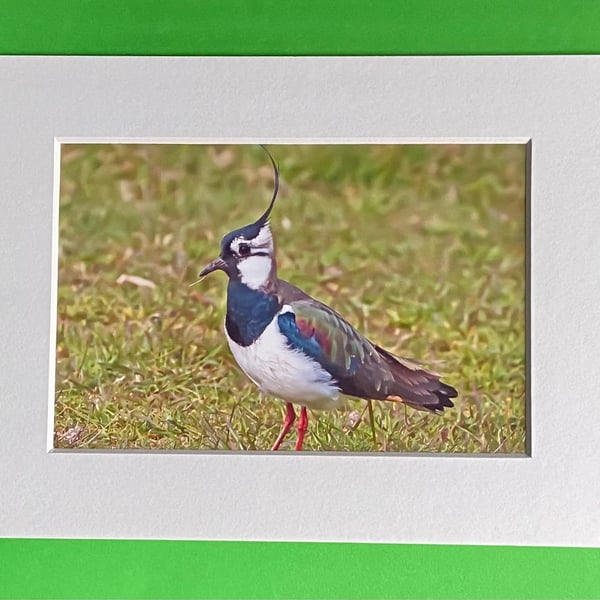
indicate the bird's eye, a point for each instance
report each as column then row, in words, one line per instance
column 244, row 250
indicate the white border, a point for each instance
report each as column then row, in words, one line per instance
column 552, row 497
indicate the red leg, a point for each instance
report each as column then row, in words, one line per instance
column 302, row 427
column 290, row 417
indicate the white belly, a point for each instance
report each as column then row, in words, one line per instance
column 283, row 372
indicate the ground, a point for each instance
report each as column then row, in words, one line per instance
column 420, row 247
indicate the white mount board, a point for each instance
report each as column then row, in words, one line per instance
column 549, row 498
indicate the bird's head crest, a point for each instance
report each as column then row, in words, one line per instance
column 253, row 241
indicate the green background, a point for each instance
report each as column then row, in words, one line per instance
column 163, row 569
column 299, row 27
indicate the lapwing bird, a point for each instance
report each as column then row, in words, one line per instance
column 298, row 349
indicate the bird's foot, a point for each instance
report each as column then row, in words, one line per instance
column 302, row 427
column 290, row 417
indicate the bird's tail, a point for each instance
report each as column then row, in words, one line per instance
column 415, row 386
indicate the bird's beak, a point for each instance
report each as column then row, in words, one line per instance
column 215, row 265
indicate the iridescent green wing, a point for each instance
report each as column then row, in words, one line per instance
column 326, row 337
column 360, row 367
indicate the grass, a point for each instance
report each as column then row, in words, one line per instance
column 420, row 247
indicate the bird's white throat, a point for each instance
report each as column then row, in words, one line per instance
column 255, row 271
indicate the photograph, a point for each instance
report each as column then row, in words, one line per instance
column 309, row 296
column 292, row 297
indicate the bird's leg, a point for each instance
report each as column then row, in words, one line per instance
column 290, row 417
column 302, row 427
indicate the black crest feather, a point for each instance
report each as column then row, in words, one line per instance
column 264, row 218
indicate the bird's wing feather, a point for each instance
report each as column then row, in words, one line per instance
column 326, row 337
column 360, row 367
